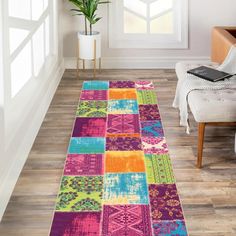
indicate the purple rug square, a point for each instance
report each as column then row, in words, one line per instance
column 122, row 84
column 93, row 95
column 165, row 203
column 133, row 220
column 123, row 144
column 84, row 164
column 149, row 112
column 123, row 124
column 89, row 127
column 74, row 224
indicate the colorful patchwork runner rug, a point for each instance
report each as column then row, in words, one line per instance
column 118, row 179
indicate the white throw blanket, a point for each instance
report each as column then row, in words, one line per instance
column 191, row 82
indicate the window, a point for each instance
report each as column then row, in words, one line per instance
column 29, row 35
column 148, row 24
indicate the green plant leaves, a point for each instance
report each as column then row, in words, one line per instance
column 88, row 8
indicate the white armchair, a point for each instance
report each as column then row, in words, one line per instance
column 216, row 107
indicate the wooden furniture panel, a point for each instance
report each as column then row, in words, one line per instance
column 222, row 40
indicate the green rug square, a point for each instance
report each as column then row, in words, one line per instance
column 159, row 169
column 146, row 97
column 92, row 109
column 80, row 193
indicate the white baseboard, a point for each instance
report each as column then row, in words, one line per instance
column 23, row 141
column 137, row 62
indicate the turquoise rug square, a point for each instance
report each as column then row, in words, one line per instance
column 86, row 145
column 96, row 85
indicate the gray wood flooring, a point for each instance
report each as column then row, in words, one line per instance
column 208, row 195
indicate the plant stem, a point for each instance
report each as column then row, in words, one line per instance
column 85, row 25
column 85, row 21
column 90, row 26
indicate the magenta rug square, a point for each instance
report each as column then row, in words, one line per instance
column 123, row 144
column 133, row 220
column 89, row 127
column 84, row 164
column 123, row 124
column 76, row 224
column 154, row 145
column 165, row 203
column 144, row 85
column 93, row 95
column 122, row 84
column 149, row 112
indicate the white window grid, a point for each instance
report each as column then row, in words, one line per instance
column 31, row 24
column 120, row 39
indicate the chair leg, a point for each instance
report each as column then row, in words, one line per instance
column 201, row 131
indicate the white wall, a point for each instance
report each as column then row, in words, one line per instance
column 21, row 117
column 203, row 15
column 1, row 89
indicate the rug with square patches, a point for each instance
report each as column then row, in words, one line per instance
column 118, row 179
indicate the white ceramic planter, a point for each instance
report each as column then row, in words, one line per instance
column 86, row 45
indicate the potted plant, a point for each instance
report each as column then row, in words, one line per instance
column 88, row 39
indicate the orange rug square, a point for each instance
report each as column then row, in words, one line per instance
column 125, row 161
column 117, row 94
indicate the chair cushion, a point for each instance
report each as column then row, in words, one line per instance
column 213, row 105
column 209, row 105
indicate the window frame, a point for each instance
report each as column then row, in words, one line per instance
column 118, row 39
column 33, row 26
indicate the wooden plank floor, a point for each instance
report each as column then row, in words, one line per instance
column 208, row 195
